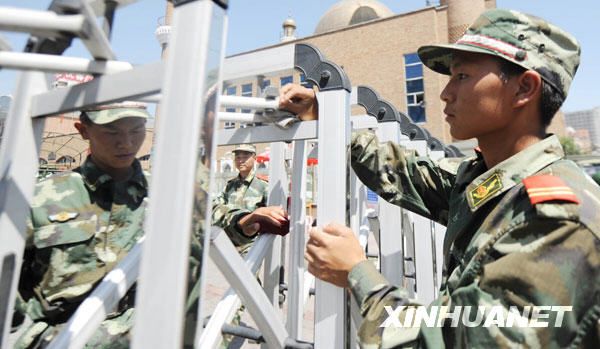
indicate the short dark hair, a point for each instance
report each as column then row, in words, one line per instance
column 84, row 118
column 551, row 99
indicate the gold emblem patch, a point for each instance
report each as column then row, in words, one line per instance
column 486, row 189
column 62, row 216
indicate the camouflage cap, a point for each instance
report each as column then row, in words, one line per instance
column 108, row 113
column 250, row 148
column 523, row 39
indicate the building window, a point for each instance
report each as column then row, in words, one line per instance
column 246, row 92
column 230, row 91
column 265, row 84
column 285, row 80
column 415, row 88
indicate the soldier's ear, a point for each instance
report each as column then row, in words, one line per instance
column 82, row 129
column 529, row 88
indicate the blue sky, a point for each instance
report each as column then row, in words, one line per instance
column 254, row 24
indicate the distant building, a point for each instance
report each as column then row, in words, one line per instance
column 377, row 48
column 586, row 120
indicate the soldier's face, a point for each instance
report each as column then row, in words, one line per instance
column 477, row 97
column 115, row 145
column 244, row 161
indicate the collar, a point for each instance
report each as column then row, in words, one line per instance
column 248, row 178
column 95, row 178
column 511, row 171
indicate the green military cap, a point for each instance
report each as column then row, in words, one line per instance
column 522, row 39
column 105, row 114
column 245, row 147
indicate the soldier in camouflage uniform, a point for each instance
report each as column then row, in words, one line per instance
column 82, row 224
column 242, row 206
column 522, row 222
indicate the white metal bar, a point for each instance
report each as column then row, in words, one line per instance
column 296, row 269
column 390, row 218
column 334, row 129
column 19, row 156
column 269, row 61
column 192, row 70
column 35, row 21
column 225, row 311
column 94, row 309
column 52, row 63
column 278, row 190
column 269, row 133
column 94, row 37
column 249, row 102
column 224, row 254
column 361, row 122
column 424, row 267
column 408, row 238
column 240, row 117
column 140, row 81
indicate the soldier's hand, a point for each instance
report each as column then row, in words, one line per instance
column 299, row 100
column 332, row 252
column 271, row 219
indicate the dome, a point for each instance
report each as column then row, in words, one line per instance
column 349, row 12
column 289, row 22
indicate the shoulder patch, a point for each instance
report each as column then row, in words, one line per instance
column 264, row 178
column 543, row 188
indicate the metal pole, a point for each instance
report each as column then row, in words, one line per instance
column 19, row 160
column 249, row 102
column 297, row 242
column 334, row 128
column 33, row 21
column 101, row 302
column 52, row 63
column 244, row 282
column 192, row 78
column 225, row 311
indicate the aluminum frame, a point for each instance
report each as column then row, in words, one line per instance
column 334, row 129
column 193, row 66
column 19, row 156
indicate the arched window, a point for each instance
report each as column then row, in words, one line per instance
column 42, row 162
column 66, row 160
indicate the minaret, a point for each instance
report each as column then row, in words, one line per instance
column 461, row 13
column 163, row 31
column 289, row 30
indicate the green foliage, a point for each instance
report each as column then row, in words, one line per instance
column 569, row 146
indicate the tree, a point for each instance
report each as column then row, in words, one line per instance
column 569, row 146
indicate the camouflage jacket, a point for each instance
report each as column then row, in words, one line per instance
column 239, row 198
column 82, row 224
column 506, row 244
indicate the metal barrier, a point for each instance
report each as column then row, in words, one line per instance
column 196, row 67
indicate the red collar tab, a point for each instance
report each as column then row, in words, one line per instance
column 544, row 188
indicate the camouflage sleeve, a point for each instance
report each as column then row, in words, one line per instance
column 401, row 177
column 541, row 263
column 227, row 217
column 373, row 293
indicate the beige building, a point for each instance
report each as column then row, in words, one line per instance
column 378, row 48
column 375, row 47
